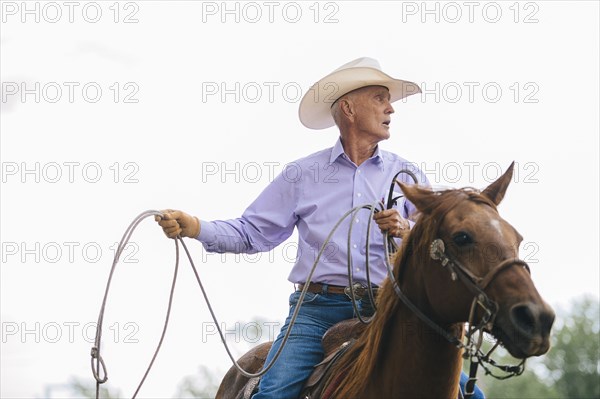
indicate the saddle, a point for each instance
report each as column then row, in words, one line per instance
column 335, row 342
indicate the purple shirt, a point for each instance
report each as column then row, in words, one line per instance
column 312, row 194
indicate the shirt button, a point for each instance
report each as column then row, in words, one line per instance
column 354, row 246
column 357, row 220
column 358, row 171
column 358, row 194
column 357, row 269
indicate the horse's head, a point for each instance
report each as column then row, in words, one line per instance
column 483, row 248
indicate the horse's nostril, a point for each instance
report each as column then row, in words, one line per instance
column 547, row 320
column 523, row 316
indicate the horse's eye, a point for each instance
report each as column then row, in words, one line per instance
column 461, row 239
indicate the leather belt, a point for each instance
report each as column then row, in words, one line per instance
column 317, row 288
column 360, row 291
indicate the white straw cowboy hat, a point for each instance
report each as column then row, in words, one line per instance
column 315, row 107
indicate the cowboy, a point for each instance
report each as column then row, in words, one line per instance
column 357, row 98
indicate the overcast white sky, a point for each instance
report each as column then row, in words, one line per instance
column 110, row 109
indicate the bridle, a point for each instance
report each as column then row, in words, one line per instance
column 476, row 285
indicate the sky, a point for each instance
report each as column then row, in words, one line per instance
column 110, row 109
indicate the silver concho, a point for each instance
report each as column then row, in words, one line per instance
column 437, row 249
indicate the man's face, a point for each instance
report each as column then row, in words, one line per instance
column 373, row 111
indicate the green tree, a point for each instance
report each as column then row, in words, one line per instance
column 202, row 385
column 574, row 360
column 86, row 388
column 571, row 369
column 206, row 383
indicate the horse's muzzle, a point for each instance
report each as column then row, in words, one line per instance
column 529, row 331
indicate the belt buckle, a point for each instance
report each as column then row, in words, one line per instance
column 359, row 291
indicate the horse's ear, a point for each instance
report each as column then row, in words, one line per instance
column 497, row 189
column 419, row 196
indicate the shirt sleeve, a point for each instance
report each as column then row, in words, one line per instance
column 266, row 223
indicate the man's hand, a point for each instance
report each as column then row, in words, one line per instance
column 390, row 220
column 176, row 223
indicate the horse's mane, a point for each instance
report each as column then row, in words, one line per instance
column 361, row 359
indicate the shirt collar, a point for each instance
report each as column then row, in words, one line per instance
column 338, row 150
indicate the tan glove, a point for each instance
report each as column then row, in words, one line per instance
column 391, row 221
column 177, row 223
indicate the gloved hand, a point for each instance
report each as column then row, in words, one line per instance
column 176, row 223
column 391, row 221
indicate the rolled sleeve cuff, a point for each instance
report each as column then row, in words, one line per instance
column 208, row 233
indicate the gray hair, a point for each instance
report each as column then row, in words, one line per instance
column 335, row 112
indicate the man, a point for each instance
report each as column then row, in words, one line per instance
column 312, row 196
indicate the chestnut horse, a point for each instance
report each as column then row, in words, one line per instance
column 398, row 355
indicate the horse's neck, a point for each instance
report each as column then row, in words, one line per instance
column 417, row 360
column 423, row 363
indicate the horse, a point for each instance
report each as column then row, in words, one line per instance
column 399, row 354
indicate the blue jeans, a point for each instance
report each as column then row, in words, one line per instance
column 478, row 394
column 303, row 349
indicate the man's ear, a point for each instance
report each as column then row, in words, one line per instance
column 419, row 196
column 346, row 107
column 495, row 191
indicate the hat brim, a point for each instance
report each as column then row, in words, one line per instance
column 315, row 107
